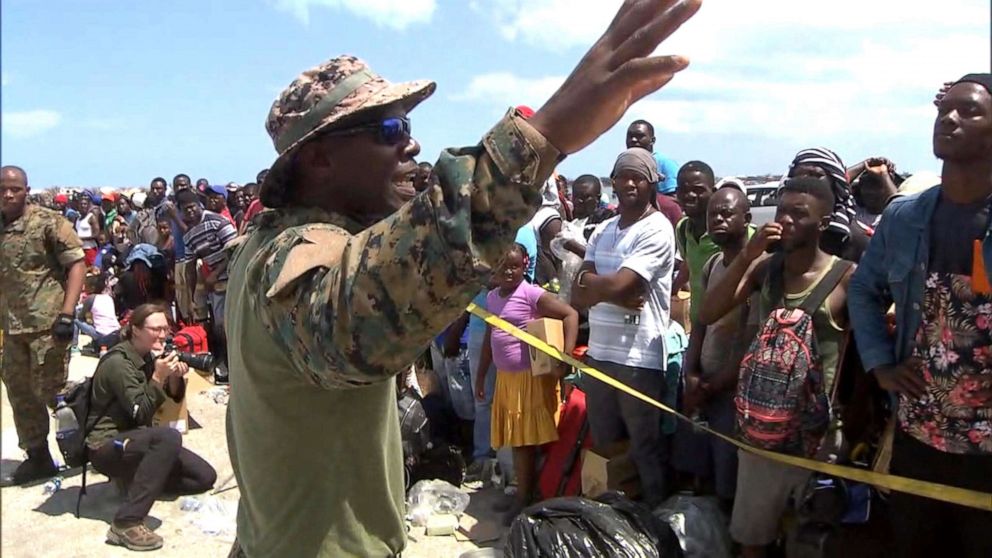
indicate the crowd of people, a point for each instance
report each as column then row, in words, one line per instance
column 826, row 256
column 326, row 277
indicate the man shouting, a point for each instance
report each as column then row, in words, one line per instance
column 340, row 285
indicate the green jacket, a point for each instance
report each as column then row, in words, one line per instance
column 322, row 313
column 122, row 390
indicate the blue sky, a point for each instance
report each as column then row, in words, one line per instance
column 111, row 93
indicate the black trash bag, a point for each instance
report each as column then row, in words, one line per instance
column 699, row 525
column 576, row 527
column 415, row 431
column 641, row 518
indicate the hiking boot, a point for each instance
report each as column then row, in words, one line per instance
column 37, row 466
column 134, row 537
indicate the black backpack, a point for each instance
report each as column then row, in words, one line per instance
column 78, row 397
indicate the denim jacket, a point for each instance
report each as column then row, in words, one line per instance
column 894, row 270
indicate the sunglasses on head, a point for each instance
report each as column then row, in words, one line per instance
column 392, row 130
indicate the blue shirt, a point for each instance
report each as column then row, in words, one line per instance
column 476, row 325
column 670, row 170
column 894, row 270
column 527, row 238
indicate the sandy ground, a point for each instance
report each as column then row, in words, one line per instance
column 38, row 525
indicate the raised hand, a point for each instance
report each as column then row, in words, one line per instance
column 616, row 72
column 767, row 235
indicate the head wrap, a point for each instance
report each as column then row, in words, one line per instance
column 138, row 199
column 843, row 215
column 639, row 160
column 985, row 80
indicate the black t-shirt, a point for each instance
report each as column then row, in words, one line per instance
column 953, row 230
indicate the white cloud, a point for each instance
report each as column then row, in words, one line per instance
column 794, row 69
column 397, row 14
column 505, row 88
column 29, row 123
column 558, row 24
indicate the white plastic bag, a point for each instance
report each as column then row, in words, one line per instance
column 211, row 515
column 429, row 497
column 570, row 263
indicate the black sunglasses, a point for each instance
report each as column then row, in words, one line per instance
column 389, row 131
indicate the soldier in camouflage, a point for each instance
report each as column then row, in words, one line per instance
column 41, row 271
column 339, row 285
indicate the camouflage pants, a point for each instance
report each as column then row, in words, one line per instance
column 34, row 370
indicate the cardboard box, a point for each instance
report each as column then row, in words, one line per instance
column 607, row 468
column 176, row 415
column 172, row 414
column 197, row 383
column 552, row 332
column 680, row 310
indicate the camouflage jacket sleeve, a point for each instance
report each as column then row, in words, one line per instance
column 64, row 243
column 352, row 309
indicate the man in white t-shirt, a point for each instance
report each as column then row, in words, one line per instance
column 626, row 283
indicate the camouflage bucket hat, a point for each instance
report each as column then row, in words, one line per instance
column 320, row 97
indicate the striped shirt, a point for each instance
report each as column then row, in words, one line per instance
column 618, row 334
column 206, row 240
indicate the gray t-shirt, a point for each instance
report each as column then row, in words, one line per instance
column 721, row 338
column 953, row 230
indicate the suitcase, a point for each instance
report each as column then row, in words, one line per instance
column 191, row 339
column 561, row 473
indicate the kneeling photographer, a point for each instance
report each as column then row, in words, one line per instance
column 129, row 385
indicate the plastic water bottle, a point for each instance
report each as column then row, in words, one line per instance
column 103, row 350
column 65, row 420
column 53, row 486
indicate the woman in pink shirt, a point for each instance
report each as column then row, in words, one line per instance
column 524, row 405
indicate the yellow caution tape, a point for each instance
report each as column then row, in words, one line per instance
column 925, row 489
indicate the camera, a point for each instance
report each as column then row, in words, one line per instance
column 200, row 361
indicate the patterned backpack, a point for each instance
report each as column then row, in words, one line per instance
column 782, row 404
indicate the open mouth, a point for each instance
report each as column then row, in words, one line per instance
column 403, row 180
column 405, row 188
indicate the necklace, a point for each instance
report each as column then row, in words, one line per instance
column 620, row 230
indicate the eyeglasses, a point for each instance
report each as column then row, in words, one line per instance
column 162, row 329
column 393, row 130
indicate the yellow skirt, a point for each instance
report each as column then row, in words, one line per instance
column 524, row 408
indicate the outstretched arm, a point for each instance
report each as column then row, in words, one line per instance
column 357, row 309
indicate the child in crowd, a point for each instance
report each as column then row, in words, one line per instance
column 104, row 329
column 166, row 244
column 524, row 405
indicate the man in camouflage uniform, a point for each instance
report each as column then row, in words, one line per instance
column 340, row 286
column 41, row 273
